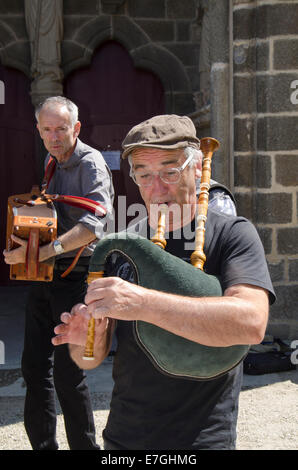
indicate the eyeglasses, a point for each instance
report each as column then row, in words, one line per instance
column 168, row 175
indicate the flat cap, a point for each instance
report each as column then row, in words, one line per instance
column 167, row 131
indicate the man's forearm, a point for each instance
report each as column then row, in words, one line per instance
column 78, row 236
column 239, row 317
column 212, row 321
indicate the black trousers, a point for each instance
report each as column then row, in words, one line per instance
column 47, row 368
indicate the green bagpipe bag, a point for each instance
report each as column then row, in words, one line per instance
column 156, row 269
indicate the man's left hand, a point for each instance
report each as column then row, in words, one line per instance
column 17, row 255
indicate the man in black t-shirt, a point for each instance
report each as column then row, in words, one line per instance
column 150, row 410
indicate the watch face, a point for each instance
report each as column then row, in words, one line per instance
column 58, row 247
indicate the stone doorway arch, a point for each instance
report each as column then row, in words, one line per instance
column 78, row 52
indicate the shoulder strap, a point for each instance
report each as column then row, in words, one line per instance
column 215, row 185
column 76, row 201
column 49, row 171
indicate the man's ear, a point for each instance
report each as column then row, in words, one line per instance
column 198, row 169
column 37, row 126
column 77, row 128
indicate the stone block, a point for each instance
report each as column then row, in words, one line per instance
column 287, row 241
column 141, row 9
column 274, row 92
column 183, row 103
column 274, row 208
column 268, row 208
column 128, row 33
column 158, row 30
column 18, row 56
column 12, row 6
column 183, row 30
column 244, row 204
column 265, row 21
column 17, row 25
column 194, row 77
column 253, row 171
column 277, row 133
column 111, row 7
column 72, row 23
column 279, row 19
column 265, row 235
column 285, row 55
column 251, row 57
column 277, row 271
column 77, row 7
column 6, row 34
column 244, row 23
column 93, row 32
column 188, row 54
column 238, row 2
column 263, row 171
column 285, row 307
column 244, row 97
column 165, row 65
column 287, row 169
column 244, row 134
column 71, row 55
column 181, row 9
column 293, row 269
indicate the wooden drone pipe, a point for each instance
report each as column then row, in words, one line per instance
column 208, row 147
column 89, row 347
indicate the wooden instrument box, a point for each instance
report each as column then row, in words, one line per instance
column 31, row 218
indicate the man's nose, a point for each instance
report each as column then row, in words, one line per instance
column 158, row 185
column 53, row 136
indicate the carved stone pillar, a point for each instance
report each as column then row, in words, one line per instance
column 213, row 100
column 44, row 22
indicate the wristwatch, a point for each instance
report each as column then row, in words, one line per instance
column 58, row 247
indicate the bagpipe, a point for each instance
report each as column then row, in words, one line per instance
column 157, row 269
column 32, row 217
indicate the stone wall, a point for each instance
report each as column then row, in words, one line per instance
column 266, row 141
column 164, row 39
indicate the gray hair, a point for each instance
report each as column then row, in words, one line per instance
column 54, row 101
column 197, row 155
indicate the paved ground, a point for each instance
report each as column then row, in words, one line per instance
column 268, row 416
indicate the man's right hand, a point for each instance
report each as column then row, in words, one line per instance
column 74, row 326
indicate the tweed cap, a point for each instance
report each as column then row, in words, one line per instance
column 167, row 131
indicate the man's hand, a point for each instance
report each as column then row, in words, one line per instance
column 17, row 255
column 115, row 298
column 74, row 326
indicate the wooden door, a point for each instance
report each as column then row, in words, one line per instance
column 113, row 96
column 17, row 147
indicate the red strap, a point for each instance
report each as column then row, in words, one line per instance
column 81, row 202
column 76, row 259
column 49, row 171
column 76, row 201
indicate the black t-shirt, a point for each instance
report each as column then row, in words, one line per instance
column 150, row 410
